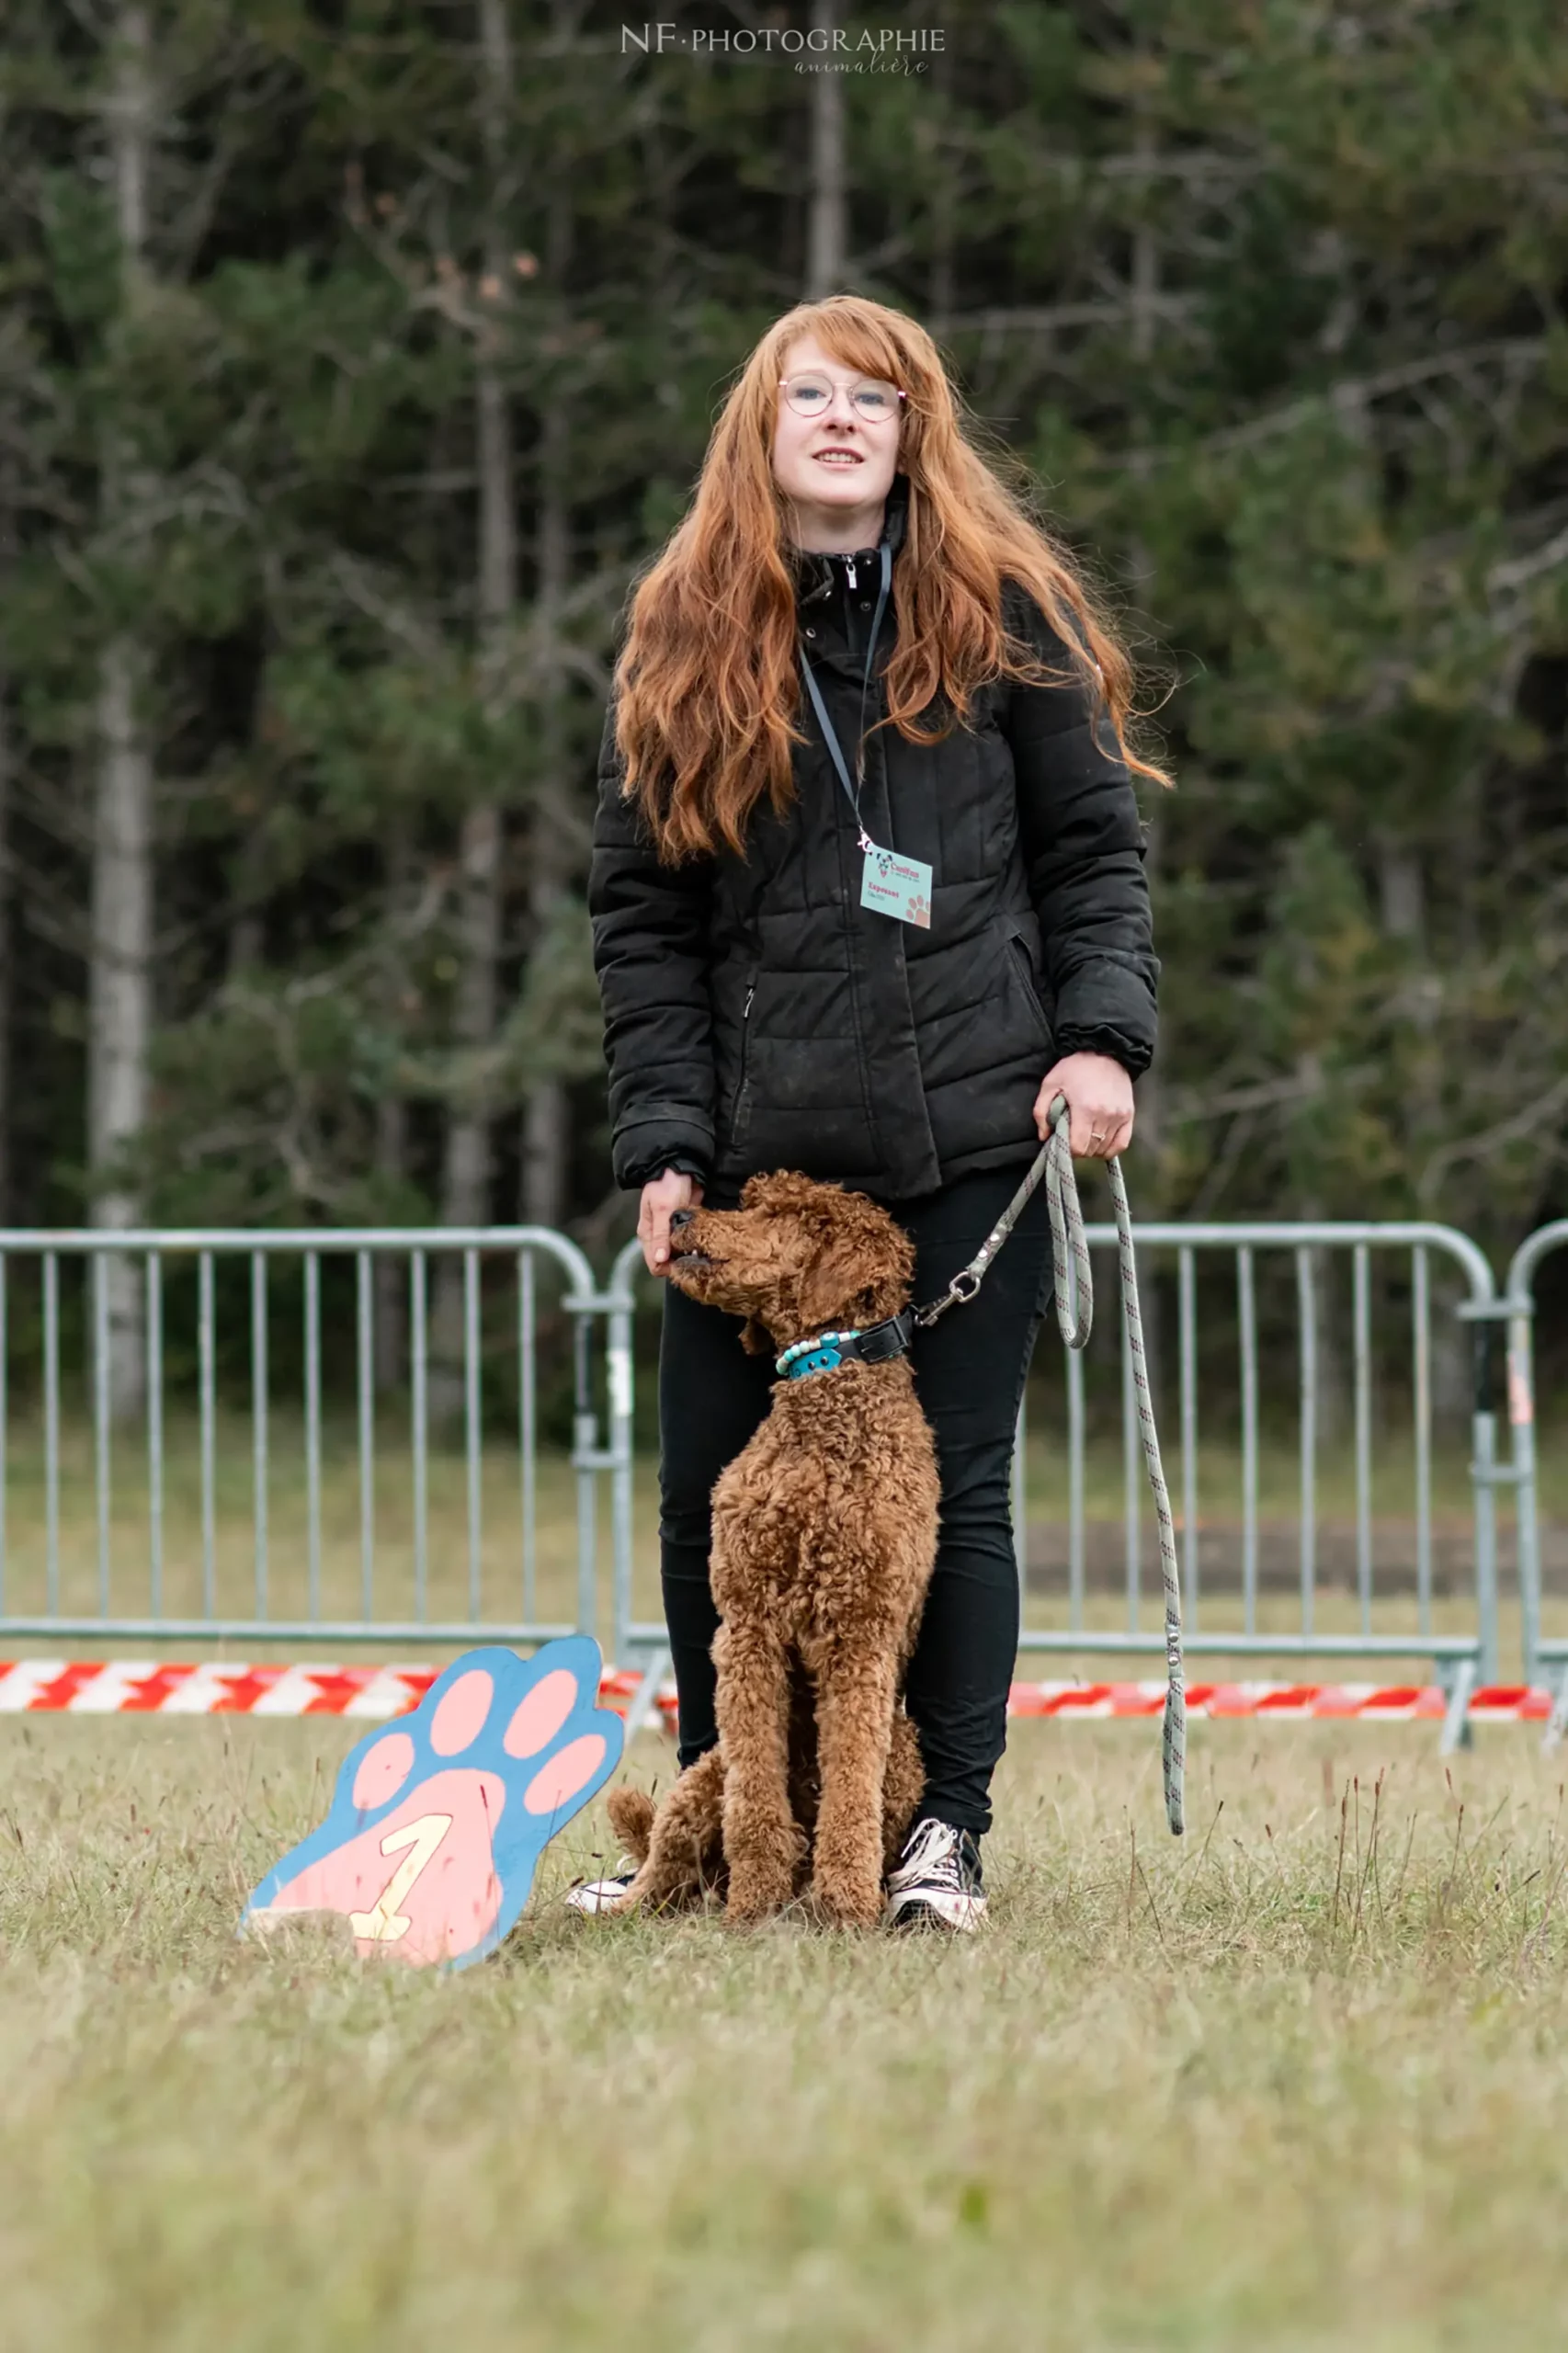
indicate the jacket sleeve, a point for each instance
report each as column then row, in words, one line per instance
column 650, row 929
column 1083, row 844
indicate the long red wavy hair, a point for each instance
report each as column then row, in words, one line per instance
column 707, row 689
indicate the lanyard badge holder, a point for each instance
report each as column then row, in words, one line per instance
column 890, row 884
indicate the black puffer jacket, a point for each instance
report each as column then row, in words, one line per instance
column 757, row 1017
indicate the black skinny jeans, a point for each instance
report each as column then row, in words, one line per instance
column 969, row 1375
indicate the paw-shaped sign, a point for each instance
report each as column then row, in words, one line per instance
column 437, row 1821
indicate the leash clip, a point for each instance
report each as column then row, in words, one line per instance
column 958, row 1294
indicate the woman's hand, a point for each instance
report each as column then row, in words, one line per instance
column 673, row 1190
column 1099, row 1101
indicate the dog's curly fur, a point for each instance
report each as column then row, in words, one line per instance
column 824, row 1532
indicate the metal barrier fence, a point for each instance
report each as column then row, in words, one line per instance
column 1379, row 1629
column 468, row 1305
column 432, row 1281
column 1540, row 1650
column 1463, row 1658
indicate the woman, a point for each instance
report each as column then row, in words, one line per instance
column 816, row 672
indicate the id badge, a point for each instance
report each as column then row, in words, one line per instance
column 900, row 887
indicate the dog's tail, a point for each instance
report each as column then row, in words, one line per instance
column 631, row 1818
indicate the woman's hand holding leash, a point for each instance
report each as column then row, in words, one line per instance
column 673, row 1190
column 1099, row 1105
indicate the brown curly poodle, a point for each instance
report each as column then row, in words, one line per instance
column 824, row 1532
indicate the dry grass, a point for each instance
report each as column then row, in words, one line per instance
column 1298, row 2082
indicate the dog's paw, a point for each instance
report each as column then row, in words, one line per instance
column 757, row 1892
column 438, row 1821
column 840, row 1907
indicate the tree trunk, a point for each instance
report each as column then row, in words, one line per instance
column 1403, row 891
column 8, row 966
column 466, row 1168
column 120, row 993
column 391, row 1273
column 7, row 960
column 546, row 1140
column 828, row 246
column 940, row 301
column 248, row 929
column 120, row 989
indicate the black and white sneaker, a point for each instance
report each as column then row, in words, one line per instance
column 596, row 1895
column 937, row 1882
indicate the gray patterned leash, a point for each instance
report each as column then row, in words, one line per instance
column 1075, row 1289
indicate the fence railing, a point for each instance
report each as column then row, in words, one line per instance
column 1370, row 1625
column 305, row 1297
column 1381, row 1629
column 291, row 1472
column 1542, row 1650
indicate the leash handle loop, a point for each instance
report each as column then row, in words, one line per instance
column 1073, row 1278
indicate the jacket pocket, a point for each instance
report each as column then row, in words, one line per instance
column 740, row 1101
column 1018, row 951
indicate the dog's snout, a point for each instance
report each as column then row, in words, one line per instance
column 679, row 1218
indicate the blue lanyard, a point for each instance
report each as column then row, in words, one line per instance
column 836, row 749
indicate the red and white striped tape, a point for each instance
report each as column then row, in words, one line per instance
column 1291, row 1702
column 370, row 1694
column 124, row 1687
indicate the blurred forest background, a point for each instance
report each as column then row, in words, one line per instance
column 352, row 358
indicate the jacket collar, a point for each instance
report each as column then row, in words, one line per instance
column 816, row 575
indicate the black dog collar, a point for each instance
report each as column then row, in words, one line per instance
column 878, row 1343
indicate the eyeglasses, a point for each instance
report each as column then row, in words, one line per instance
column 811, row 395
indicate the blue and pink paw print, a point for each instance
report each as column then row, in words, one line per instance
column 438, row 1821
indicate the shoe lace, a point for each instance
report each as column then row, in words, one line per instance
column 932, row 1858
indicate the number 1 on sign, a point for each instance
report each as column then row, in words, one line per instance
column 384, row 1923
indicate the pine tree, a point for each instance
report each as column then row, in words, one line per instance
column 349, row 369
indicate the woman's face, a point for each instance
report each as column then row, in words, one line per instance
column 837, row 466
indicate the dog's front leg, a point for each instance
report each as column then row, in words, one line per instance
column 763, row 1843
column 855, row 1705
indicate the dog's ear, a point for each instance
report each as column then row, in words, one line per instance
column 864, row 1269
column 755, row 1338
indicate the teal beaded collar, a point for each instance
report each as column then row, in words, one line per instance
column 877, row 1344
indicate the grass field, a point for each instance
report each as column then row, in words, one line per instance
column 1299, row 2081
